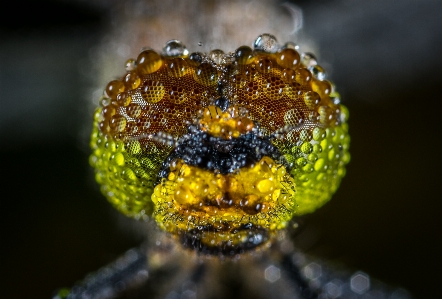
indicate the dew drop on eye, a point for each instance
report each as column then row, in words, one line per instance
column 175, row 48
column 266, row 42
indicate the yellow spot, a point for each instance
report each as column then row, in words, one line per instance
column 226, row 124
column 257, row 194
column 265, row 186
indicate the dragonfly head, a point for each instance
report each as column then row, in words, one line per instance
column 221, row 149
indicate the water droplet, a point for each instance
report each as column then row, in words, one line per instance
column 305, row 135
column 130, row 65
column 264, row 65
column 303, row 76
column 290, row 45
column 301, row 162
column 217, row 56
column 308, row 168
column 311, row 99
column 109, row 111
column 317, row 148
column 175, row 48
column 128, row 174
column 206, row 75
column 131, row 80
column 133, row 110
column 152, row 91
column 145, row 49
column 325, row 114
column 104, row 101
column 318, row 134
column 335, row 97
column 123, row 99
column 113, row 88
column 312, row 157
column 288, row 58
column 344, row 114
column 307, row 148
column 148, row 62
column 318, row 72
column 313, row 116
column 196, row 58
column 266, row 42
column 177, row 67
column 244, row 55
column 118, row 123
column 308, row 59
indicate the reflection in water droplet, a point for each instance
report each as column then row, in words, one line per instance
column 217, row 56
column 335, row 97
column 311, row 99
column 175, row 48
column 145, row 49
column 244, row 55
column 318, row 72
column 130, row 65
column 290, row 45
column 196, row 58
column 105, row 101
column 308, row 59
column 266, row 42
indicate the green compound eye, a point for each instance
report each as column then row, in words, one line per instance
column 221, row 149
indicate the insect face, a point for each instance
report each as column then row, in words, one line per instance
column 221, row 149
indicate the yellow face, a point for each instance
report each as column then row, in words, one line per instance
column 222, row 150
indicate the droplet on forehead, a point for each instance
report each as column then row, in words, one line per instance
column 196, row 58
column 317, row 71
column 130, row 65
column 217, row 56
column 290, row 45
column 266, row 42
column 175, row 48
column 308, row 59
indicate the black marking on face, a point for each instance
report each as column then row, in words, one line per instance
column 217, row 154
column 222, row 103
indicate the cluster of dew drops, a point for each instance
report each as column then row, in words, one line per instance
column 115, row 118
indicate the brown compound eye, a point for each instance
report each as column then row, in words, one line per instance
column 221, row 148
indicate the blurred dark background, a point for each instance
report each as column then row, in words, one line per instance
column 385, row 218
